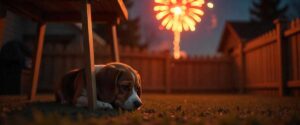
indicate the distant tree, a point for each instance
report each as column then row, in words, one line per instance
column 128, row 31
column 151, row 36
column 295, row 8
column 267, row 10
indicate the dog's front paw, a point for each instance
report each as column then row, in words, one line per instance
column 104, row 105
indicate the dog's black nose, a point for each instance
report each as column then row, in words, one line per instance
column 137, row 104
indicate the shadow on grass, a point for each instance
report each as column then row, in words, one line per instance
column 164, row 109
column 50, row 112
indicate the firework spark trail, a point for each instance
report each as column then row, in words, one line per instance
column 176, row 44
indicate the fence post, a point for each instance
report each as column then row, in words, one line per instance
column 2, row 27
column 282, row 54
column 167, row 72
column 243, row 69
column 2, row 23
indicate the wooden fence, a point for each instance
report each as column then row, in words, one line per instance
column 268, row 64
column 159, row 72
column 271, row 62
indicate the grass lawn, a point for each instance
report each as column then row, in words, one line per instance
column 162, row 109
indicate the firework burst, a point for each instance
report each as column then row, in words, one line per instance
column 178, row 16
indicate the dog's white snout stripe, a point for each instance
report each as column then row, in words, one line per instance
column 129, row 103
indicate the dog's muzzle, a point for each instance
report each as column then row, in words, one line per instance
column 133, row 102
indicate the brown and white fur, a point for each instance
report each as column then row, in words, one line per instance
column 117, row 86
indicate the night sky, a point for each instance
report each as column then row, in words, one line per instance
column 205, row 39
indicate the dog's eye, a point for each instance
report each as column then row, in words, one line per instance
column 125, row 87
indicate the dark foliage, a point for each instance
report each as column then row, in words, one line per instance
column 267, row 10
column 128, row 31
column 295, row 8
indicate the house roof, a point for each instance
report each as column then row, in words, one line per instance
column 248, row 30
column 244, row 31
column 67, row 10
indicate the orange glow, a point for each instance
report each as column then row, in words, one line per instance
column 210, row 5
column 178, row 16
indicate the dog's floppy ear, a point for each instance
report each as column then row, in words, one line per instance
column 106, row 80
column 138, row 83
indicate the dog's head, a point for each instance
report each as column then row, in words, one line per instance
column 120, row 85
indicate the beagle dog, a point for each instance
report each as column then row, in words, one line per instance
column 117, row 86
